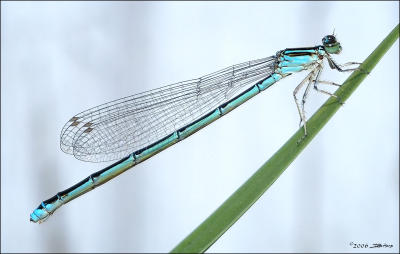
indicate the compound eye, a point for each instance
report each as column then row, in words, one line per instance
column 329, row 40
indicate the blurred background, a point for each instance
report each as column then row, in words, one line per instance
column 60, row 58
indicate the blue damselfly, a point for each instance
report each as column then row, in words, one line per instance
column 134, row 128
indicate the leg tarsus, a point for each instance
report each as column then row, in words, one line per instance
column 302, row 137
column 341, row 102
column 363, row 71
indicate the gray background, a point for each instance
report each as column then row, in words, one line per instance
column 60, row 58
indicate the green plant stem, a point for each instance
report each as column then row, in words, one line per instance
column 238, row 203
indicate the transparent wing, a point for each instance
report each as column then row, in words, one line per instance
column 115, row 129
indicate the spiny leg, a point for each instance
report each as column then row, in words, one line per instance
column 316, row 81
column 326, row 92
column 296, row 90
column 338, row 67
column 303, row 101
column 312, row 77
column 327, row 82
column 349, row 63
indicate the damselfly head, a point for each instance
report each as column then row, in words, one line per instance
column 332, row 46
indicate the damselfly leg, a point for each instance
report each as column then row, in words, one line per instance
column 313, row 79
column 339, row 67
column 300, row 107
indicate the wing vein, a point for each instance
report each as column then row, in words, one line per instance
column 115, row 129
